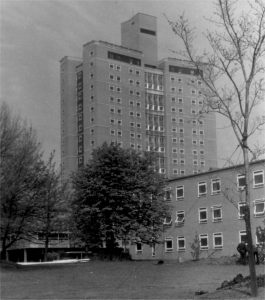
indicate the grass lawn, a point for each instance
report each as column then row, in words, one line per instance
column 116, row 280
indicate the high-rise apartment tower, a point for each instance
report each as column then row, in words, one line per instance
column 124, row 94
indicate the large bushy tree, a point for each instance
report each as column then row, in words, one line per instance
column 118, row 195
column 233, row 76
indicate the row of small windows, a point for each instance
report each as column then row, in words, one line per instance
column 180, row 101
column 259, row 208
column 117, row 89
column 177, row 171
column 136, row 146
column 217, row 216
column 180, row 91
column 156, row 149
column 114, row 132
column 217, row 242
column 132, row 103
column 119, row 101
column 180, row 120
column 194, row 142
column 181, row 110
column 113, row 77
column 258, row 181
column 137, row 125
column 181, row 130
column 181, row 243
column 176, row 150
column 182, row 162
column 130, row 70
column 180, row 80
column 155, row 128
column 118, row 78
column 119, row 111
column 217, row 213
column 175, row 140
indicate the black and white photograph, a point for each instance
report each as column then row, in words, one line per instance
column 132, row 149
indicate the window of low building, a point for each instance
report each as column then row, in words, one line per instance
column 168, row 244
column 259, row 207
column 203, row 216
column 241, row 181
column 180, row 192
column 258, row 178
column 181, row 243
column 218, row 240
column 204, row 244
column 217, row 213
column 180, row 217
column 215, row 186
column 202, row 188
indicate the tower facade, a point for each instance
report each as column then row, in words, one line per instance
column 124, row 94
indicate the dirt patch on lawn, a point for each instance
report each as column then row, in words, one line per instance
column 237, row 288
column 233, row 293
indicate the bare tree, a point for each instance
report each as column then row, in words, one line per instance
column 20, row 179
column 53, row 213
column 232, row 70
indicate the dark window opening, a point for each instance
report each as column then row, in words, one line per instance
column 147, row 31
column 124, row 58
column 183, row 70
column 150, row 66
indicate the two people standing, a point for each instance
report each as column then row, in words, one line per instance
column 242, row 248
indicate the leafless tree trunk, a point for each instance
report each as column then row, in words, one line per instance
column 232, row 70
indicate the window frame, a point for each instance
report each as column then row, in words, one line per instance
column 213, row 181
column 170, row 194
column 180, row 187
column 214, row 208
column 218, row 234
column 201, row 183
column 239, row 205
column 182, row 221
column 169, row 239
column 182, row 162
column 240, row 187
column 200, row 210
column 242, row 233
column 175, row 171
column 181, row 238
column 165, row 222
column 257, row 185
column 204, row 236
column 257, row 201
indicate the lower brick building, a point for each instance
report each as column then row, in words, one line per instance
column 209, row 205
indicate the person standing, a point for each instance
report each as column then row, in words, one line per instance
column 242, row 249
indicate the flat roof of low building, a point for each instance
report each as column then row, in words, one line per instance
column 215, row 170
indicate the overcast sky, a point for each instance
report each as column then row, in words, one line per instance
column 36, row 34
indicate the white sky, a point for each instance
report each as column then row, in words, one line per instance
column 36, row 34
